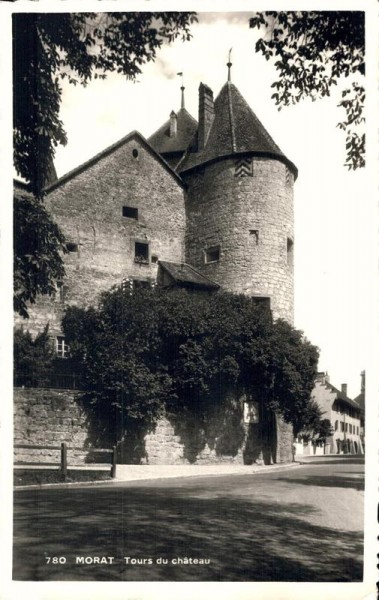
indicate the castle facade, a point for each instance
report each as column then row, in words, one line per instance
column 204, row 204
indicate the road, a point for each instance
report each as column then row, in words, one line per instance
column 297, row 524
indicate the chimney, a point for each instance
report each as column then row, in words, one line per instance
column 206, row 114
column 173, row 124
column 322, row 377
column 363, row 382
column 344, row 388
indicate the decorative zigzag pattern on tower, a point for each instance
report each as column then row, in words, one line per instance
column 244, row 167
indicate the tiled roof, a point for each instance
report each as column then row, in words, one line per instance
column 186, row 127
column 132, row 135
column 341, row 396
column 235, row 129
column 360, row 400
column 185, row 275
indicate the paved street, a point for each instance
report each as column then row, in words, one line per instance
column 298, row 524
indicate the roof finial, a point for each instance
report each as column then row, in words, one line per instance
column 182, row 88
column 229, row 65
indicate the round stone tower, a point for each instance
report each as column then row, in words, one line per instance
column 239, row 204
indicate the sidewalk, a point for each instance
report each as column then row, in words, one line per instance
column 141, row 472
column 330, row 458
column 125, row 473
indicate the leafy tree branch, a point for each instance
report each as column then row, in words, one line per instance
column 38, row 248
column 49, row 47
column 313, row 51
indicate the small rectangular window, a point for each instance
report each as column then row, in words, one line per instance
column 212, row 254
column 62, row 349
column 262, row 301
column 154, row 258
column 255, row 234
column 130, row 212
column 141, row 252
column 141, row 283
column 71, row 247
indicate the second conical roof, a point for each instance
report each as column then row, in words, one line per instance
column 235, row 130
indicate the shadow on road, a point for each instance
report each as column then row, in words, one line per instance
column 244, row 539
column 356, row 482
column 332, row 461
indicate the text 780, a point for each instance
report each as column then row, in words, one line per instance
column 55, row 560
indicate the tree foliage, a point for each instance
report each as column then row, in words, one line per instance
column 33, row 359
column 150, row 351
column 38, row 247
column 49, row 47
column 312, row 52
column 312, row 426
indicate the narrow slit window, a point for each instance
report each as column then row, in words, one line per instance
column 288, row 176
column 63, row 291
column 141, row 252
column 212, row 254
column 289, row 252
column 130, row 212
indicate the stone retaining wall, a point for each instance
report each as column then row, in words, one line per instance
column 46, row 417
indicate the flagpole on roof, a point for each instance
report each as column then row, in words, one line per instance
column 229, row 65
column 182, row 89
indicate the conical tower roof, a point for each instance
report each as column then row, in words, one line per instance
column 235, row 130
column 163, row 143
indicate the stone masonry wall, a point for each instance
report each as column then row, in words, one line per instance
column 46, row 417
column 88, row 208
column 284, row 441
column 165, row 446
column 251, row 219
column 221, row 437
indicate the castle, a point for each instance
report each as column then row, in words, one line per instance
column 204, row 204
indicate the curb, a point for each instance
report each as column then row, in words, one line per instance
column 107, row 482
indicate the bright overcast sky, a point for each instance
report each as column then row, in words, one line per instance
column 333, row 207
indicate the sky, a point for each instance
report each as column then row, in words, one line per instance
column 334, row 208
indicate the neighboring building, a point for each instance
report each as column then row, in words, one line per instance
column 204, row 205
column 361, row 401
column 344, row 415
